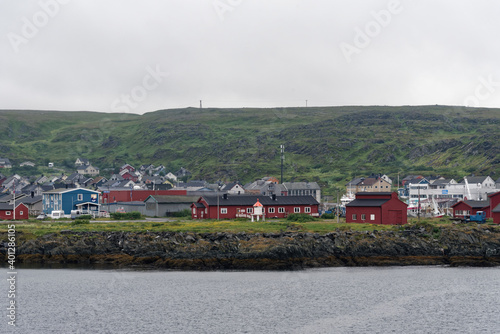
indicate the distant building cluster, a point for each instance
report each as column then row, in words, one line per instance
column 156, row 191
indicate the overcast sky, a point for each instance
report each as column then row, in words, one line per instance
column 140, row 56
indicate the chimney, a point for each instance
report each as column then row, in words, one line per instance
column 224, row 196
column 274, row 197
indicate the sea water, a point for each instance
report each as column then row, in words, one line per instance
column 333, row 300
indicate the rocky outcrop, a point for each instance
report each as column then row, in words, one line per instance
column 410, row 245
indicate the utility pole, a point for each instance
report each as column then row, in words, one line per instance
column 201, row 106
column 338, row 208
column 218, row 188
column 418, row 207
column 282, row 147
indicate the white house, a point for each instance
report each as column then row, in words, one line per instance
column 88, row 170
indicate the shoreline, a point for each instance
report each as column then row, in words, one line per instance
column 409, row 245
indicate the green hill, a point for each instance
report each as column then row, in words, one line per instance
column 326, row 144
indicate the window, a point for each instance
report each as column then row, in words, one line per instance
column 80, row 197
column 223, row 211
column 20, row 212
column 281, row 210
column 194, row 211
column 372, row 217
column 307, row 209
column 271, row 210
column 8, row 213
column 363, row 217
column 354, row 216
column 296, row 210
column 249, row 210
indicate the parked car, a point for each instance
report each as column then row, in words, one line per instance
column 41, row 216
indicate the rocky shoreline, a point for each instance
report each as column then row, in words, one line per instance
column 409, row 245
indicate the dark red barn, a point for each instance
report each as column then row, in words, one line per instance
column 495, row 207
column 467, row 208
column 7, row 211
column 377, row 208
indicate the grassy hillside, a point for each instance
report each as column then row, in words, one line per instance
column 326, row 144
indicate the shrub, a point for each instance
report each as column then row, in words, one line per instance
column 80, row 222
column 126, row 215
column 183, row 213
column 328, row 216
column 85, row 217
column 300, row 217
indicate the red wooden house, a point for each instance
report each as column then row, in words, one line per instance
column 130, row 176
column 467, row 208
column 495, row 207
column 377, row 208
column 128, row 167
column 7, row 211
column 242, row 206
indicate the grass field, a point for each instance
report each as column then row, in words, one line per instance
column 31, row 229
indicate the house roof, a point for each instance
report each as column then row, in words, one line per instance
column 367, row 202
column 372, row 193
column 496, row 209
column 475, row 179
column 250, row 200
column 418, row 181
column 30, row 200
column 494, row 194
column 355, row 182
column 301, row 185
column 193, row 184
column 6, row 206
column 443, row 182
column 230, row 186
column 474, row 204
column 478, row 204
column 369, row 181
column 64, row 190
column 99, row 179
column 166, row 199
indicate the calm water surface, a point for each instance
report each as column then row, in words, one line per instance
column 336, row 300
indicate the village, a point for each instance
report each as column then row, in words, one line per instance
column 154, row 191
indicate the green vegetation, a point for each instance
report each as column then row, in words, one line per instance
column 300, row 217
column 322, row 226
column 126, row 215
column 80, row 222
column 183, row 213
column 329, row 145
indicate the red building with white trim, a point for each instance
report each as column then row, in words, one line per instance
column 7, row 212
column 377, row 208
column 242, row 206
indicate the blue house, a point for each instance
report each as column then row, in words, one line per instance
column 70, row 199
